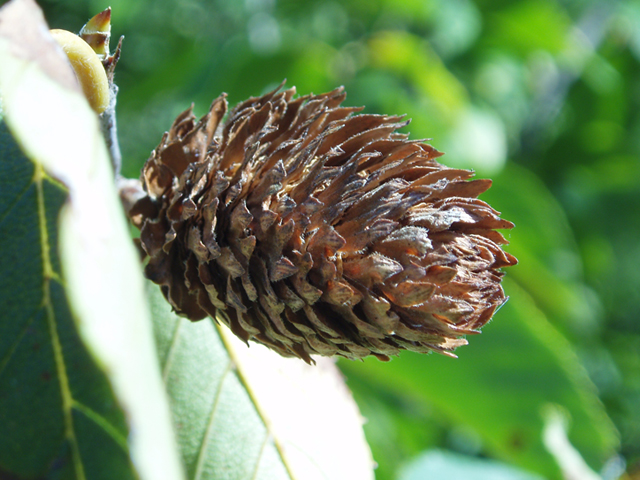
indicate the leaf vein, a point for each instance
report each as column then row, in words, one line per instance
column 47, row 268
column 267, row 436
column 14, row 346
column 207, row 433
column 103, row 423
column 171, row 351
column 252, row 396
column 6, row 213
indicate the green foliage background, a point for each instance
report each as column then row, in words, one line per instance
column 540, row 95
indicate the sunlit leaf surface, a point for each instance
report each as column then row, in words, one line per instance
column 244, row 412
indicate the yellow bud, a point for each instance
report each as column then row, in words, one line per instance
column 97, row 33
column 88, row 68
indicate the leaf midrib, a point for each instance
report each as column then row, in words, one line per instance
column 243, row 380
column 69, row 403
column 48, row 273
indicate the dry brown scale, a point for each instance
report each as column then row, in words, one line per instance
column 312, row 230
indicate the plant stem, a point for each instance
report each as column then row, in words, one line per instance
column 110, row 131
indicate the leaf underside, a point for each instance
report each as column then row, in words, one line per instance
column 220, row 432
column 58, row 415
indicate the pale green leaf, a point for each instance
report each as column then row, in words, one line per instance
column 246, row 413
column 452, row 466
column 57, row 130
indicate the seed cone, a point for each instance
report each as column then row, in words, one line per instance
column 312, row 230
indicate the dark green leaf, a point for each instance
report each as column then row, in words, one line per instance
column 549, row 264
column 57, row 410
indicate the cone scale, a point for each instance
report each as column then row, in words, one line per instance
column 315, row 230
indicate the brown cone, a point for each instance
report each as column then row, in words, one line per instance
column 315, row 231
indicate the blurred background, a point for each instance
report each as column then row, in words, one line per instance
column 542, row 96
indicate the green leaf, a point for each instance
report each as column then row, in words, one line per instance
column 98, row 270
column 549, row 263
column 501, row 385
column 397, row 427
column 409, row 56
column 530, row 25
column 56, row 405
column 246, row 413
